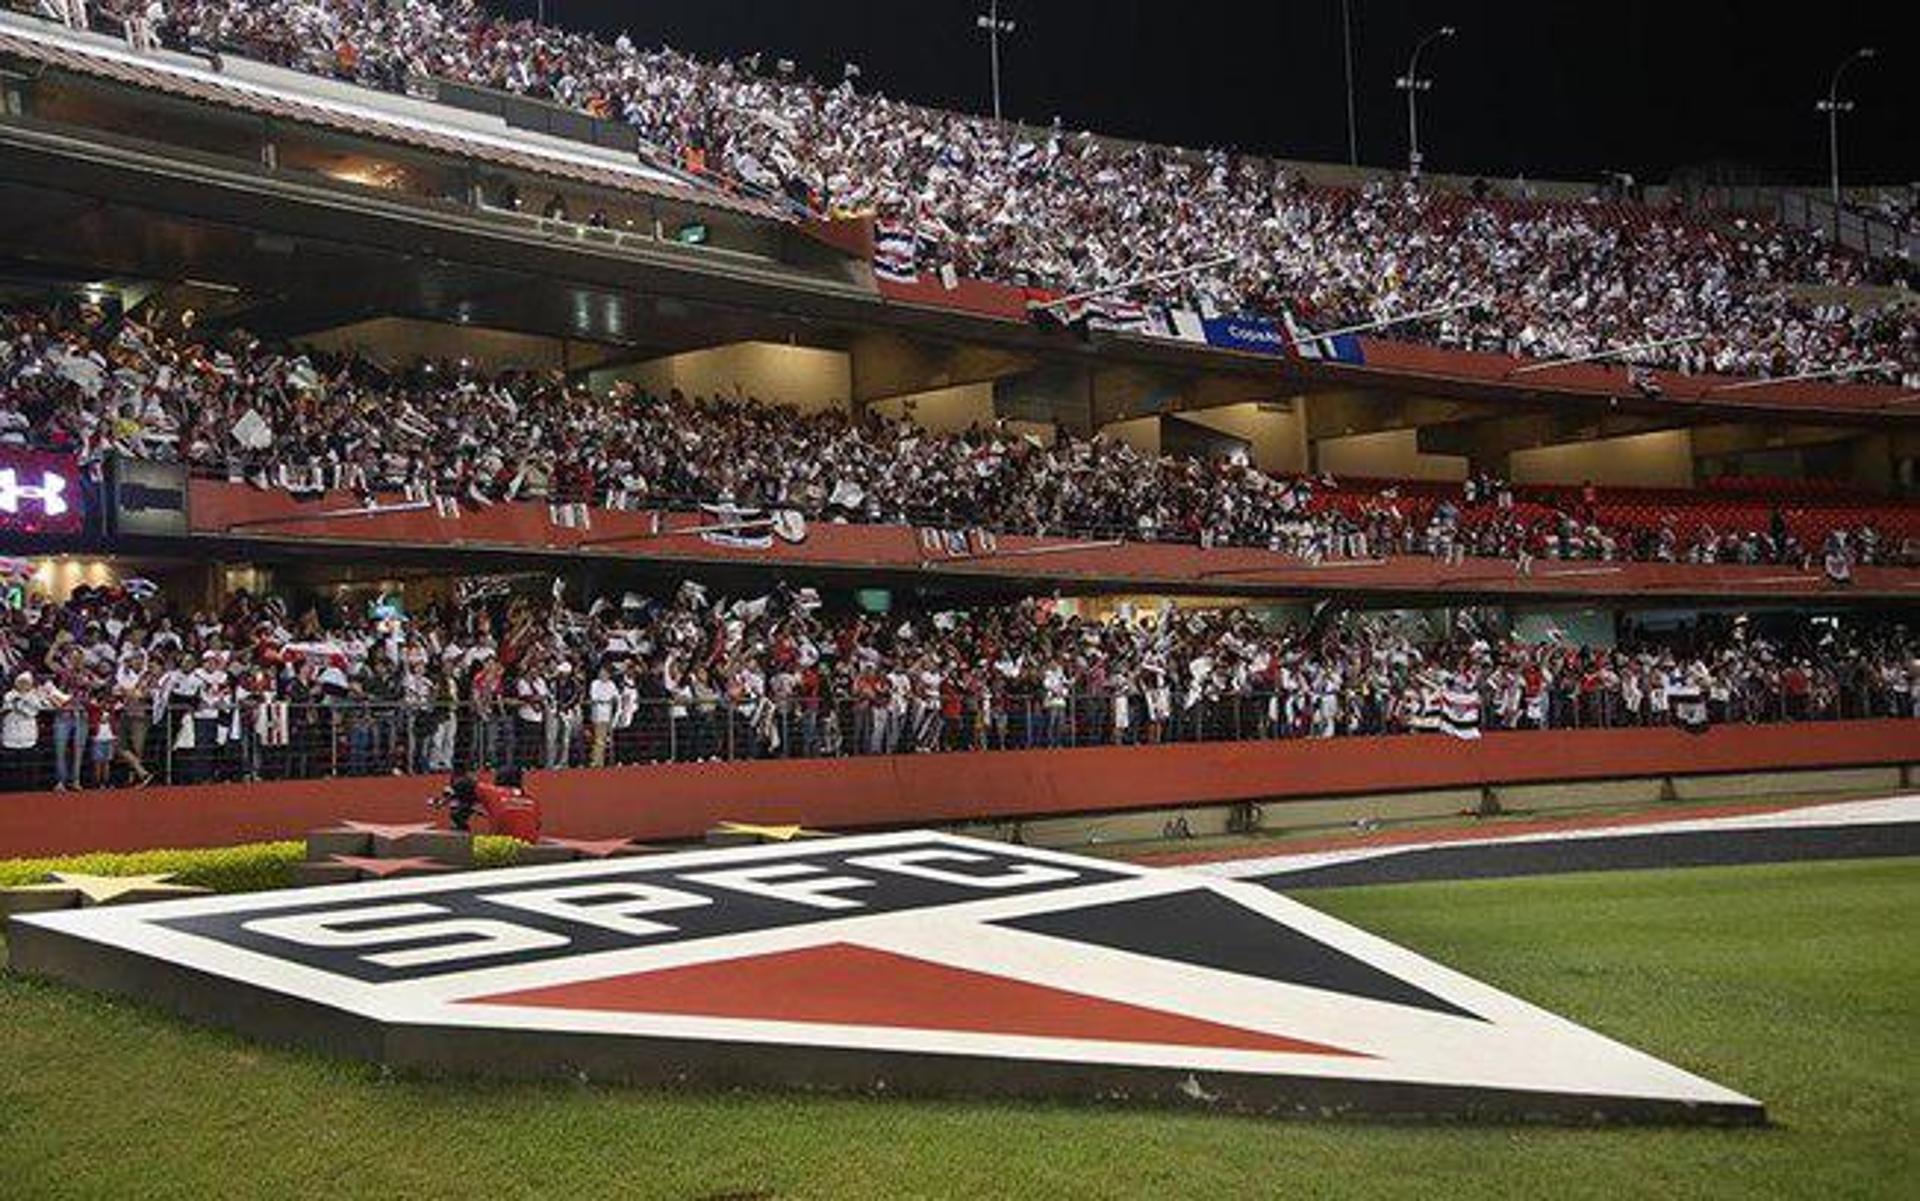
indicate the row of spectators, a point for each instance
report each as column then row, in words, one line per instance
column 1047, row 208
column 100, row 384
column 110, row 687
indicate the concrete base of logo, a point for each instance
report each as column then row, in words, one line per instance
column 324, row 844
column 720, row 837
column 307, row 875
column 344, row 854
column 37, row 900
column 446, row 846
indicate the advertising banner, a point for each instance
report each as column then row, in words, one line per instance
column 1247, row 334
column 40, row 493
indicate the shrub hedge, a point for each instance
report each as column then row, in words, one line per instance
column 252, row 867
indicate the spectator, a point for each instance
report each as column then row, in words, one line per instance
column 603, row 703
column 20, row 711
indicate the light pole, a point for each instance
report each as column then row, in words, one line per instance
column 1353, row 129
column 1413, row 85
column 991, row 22
column 1833, row 106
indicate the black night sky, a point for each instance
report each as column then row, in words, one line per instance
column 1547, row 89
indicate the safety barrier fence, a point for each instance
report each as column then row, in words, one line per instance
column 76, row 748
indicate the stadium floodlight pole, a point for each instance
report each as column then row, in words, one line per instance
column 1833, row 106
column 991, row 22
column 1367, row 327
column 1154, row 278
column 1614, row 353
column 1413, row 85
column 1830, row 373
column 1353, row 128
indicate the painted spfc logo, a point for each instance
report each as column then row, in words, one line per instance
column 903, row 963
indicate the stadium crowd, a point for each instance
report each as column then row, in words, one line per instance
column 113, row 687
column 97, row 384
column 1045, row 208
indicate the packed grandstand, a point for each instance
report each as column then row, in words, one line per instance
column 1069, row 211
column 75, row 379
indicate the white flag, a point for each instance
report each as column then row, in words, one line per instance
column 252, row 431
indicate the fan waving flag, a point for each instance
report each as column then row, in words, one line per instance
column 1689, row 707
column 1458, row 712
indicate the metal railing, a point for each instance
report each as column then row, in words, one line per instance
column 1811, row 211
column 80, row 748
column 1866, row 232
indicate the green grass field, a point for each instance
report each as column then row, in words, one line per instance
column 1797, row 984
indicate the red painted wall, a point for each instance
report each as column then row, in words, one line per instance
column 979, row 298
column 852, row 237
column 683, row 800
column 1414, row 360
column 218, row 507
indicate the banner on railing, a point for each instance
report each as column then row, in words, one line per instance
column 895, row 257
column 738, row 527
column 1247, row 334
column 957, row 544
column 148, row 497
column 1175, row 325
column 1285, row 336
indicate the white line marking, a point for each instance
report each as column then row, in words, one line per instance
column 1888, row 811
